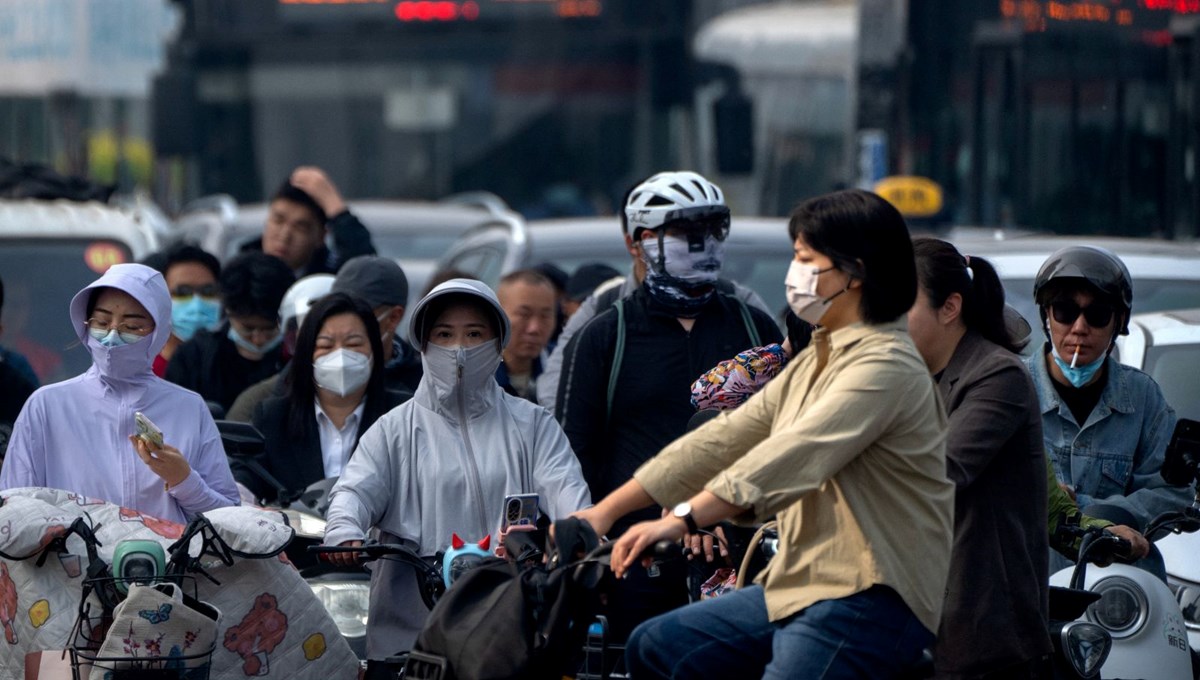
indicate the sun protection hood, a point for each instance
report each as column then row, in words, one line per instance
column 418, row 324
column 144, row 284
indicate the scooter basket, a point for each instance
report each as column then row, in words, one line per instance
column 140, row 658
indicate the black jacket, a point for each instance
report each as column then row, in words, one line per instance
column 209, row 364
column 350, row 239
column 652, row 400
column 294, row 458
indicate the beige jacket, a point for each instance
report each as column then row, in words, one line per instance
column 847, row 447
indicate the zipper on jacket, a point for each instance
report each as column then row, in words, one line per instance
column 472, row 466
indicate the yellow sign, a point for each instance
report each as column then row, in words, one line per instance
column 912, row 196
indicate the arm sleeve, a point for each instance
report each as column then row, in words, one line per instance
column 830, row 432
column 1062, row 508
column 583, row 396
column 350, row 237
column 547, row 382
column 24, row 462
column 991, row 411
column 364, row 490
column 1149, row 494
column 557, row 476
column 210, row 484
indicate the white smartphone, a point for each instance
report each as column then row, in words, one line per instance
column 147, row 430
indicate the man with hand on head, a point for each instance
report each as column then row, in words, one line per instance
column 305, row 209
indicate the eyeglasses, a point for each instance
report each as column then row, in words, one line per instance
column 208, row 290
column 1097, row 314
column 135, row 327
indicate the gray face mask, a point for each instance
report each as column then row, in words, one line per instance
column 469, row 369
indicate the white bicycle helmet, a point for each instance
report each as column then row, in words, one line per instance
column 672, row 196
column 300, row 297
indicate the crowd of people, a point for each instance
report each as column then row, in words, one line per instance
column 915, row 462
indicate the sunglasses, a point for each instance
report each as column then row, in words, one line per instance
column 1097, row 314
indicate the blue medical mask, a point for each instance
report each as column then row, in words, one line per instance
column 111, row 338
column 1080, row 375
column 250, row 346
column 189, row 315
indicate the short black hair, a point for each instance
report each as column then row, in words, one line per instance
column 254, row 283
column 178, row 253
column 290, row 192
column 866, row 237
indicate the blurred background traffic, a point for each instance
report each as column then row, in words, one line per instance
column 490, row 135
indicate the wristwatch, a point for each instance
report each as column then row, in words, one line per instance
column 684, row 512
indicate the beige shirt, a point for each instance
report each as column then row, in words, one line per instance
column 847, row 447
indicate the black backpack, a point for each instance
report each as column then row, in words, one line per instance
column 503, row 620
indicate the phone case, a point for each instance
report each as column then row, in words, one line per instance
column 147, row 430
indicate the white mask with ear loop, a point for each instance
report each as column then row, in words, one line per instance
column 342, row 371
column 802, row 298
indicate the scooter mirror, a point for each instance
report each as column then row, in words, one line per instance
column 241, row 440
column 1181, row 464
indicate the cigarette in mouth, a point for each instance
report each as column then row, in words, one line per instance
column 1075, row 358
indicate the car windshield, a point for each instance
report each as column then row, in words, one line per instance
column 1173, row 367
column 417, row 245
column 40, row 278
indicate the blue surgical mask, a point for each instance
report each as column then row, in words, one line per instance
column 1080, row 375
column 250, row 346
column 111, row 338
column 189, row 315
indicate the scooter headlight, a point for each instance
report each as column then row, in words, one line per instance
column 1086, row 646
column 347, row 603
column 305, row 524
column 1122, row 607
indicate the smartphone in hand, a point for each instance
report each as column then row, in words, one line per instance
column 147, row 430
column 520, row 513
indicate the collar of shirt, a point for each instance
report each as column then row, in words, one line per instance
column 337, row 444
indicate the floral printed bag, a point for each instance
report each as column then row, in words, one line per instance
column 156, row 627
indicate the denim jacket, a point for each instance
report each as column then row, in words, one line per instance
column 1116, row 456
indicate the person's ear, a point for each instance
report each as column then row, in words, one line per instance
column 631, row 245
column 951, row 309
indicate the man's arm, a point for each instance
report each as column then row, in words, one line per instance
column 350, row 237
column 1148, row 493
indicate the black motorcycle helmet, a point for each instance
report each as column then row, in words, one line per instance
column 1097, row 266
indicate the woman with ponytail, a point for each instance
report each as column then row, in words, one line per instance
column 994, row 617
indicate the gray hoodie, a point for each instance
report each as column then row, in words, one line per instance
column 442, row 464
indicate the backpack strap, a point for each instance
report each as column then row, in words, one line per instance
column 751, row 329
column 618, row 355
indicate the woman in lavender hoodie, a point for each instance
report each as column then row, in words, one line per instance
column 77, row 435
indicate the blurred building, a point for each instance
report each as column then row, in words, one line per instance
column 75, row 84
column 1069, row 116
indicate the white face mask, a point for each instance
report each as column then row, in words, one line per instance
column 342, row 371
column 801, row 284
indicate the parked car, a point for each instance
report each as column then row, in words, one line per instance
column 1166, row 345
column 48, row 251
column 757, row 253
column 1166, row 274
column 413, row 233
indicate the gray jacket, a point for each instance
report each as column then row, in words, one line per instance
column 439, row 465
column 547, row 382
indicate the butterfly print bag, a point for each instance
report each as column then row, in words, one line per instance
column 156, row 624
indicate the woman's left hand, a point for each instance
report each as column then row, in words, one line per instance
column 165, row 461
column 641, row 537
